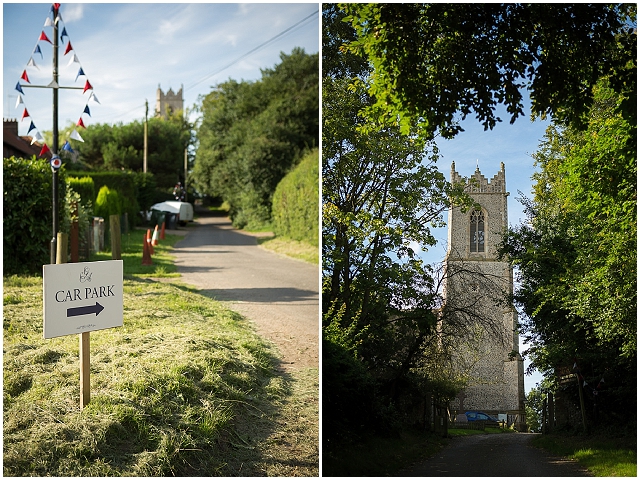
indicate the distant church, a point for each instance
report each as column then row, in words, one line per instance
column 167, row 103
column 475, row 287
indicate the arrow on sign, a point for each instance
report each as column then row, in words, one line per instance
column 74, row 312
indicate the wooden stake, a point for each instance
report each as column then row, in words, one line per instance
column 61, row 247
column 114, row 226
column 85, row 365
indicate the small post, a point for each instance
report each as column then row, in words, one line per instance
column 85, row 365
column 61, row 247
column 114, row 226
column 584, row 414
column 75, row 236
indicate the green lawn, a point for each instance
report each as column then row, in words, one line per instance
column 603, row 456
column 185, row 387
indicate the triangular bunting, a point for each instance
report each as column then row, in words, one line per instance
column 74, row 59
column 37, row 138
column 86, row 110
column 25, row 77
column 44, row 150
column 43, row 36
column 19, row 88
column 25, row 114
column 31, row 127
column 87, row 86
column 94, row 98
column 80, row 123
column 80, row 72
column 69, row 48
column 19, row 101
column 48, row 22
column 37, row 50
column 32, row 63
column 76, row 136
column 67, row 147
column 64, row 34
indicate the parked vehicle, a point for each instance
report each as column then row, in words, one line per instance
column 476, row 416
column 184, row 210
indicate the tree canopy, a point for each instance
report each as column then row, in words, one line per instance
column 253, row 133
column 432, row 62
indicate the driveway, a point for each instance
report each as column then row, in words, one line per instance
column 278, row 294
column 495, row 455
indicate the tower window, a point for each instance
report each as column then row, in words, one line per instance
column 476, row 231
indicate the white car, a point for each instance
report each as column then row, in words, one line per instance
column 183, row 209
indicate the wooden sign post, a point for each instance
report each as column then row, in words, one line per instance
column 79, row 298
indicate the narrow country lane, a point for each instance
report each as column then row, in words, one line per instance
column 279, row 295
column 495, row 455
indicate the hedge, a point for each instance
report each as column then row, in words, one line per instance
column 85, row 188
column 27, row 214
column 295, row 208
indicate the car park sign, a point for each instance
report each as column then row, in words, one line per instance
column 81, row 297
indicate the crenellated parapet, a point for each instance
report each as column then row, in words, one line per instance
column 478, row 183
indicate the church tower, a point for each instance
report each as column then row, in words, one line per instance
column 169, row 102
column 475, row 294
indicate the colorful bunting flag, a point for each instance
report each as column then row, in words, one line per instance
column 44, row 150
column 67, row 147
column 74, row 59
column 25, row 114
column 64, row 34
column 32, row 63
column 69, row 48
column 25, row 77
column 76, row 136
column 93, row 96
column 48, row 22
column 37, row 138
column 86, row 110
column 19, row 88
column 87, row 86
column 43, row 36
column 37, row 50
column 31, row 127
column 80, row 123
column 80, row 72
column 19, row 101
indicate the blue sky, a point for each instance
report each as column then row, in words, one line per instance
column 128, row 49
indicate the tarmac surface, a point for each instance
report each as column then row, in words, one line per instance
column 494, row 455
column 278, row 294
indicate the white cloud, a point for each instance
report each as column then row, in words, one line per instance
column 73, row 12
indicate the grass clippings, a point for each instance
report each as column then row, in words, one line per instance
column 184, row 388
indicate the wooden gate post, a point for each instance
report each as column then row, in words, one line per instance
column 85, row 365
column 114, row 226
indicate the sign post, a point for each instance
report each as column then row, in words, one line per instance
column 79, row 298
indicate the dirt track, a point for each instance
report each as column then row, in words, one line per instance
column 496, row 455
column 279, row 295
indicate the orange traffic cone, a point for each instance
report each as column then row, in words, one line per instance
column 154, row 239
column 146, row 256
column 149, row 241
column 162, row 231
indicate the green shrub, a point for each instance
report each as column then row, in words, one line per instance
column 108, row 202
column 295, row 202
column 85, row 187
column 124, row 183
column 27, row 214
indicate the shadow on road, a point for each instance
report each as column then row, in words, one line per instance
column 263, row 295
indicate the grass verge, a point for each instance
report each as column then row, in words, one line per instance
column 602, row 456
column 291, row 248
column 378, row 457
column 184, row 388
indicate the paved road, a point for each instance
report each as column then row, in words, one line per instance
column 278, row 294
column 495, row 455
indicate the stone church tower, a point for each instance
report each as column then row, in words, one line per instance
column 169, row 102
column 474, row 291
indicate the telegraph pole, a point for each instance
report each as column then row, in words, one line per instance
column 144, row 155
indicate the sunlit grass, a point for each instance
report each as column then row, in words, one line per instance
column 291, row 248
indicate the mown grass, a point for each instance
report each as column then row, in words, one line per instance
column 603, row 456
column 464, row 432
column 184, row 388
column 291, row 248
